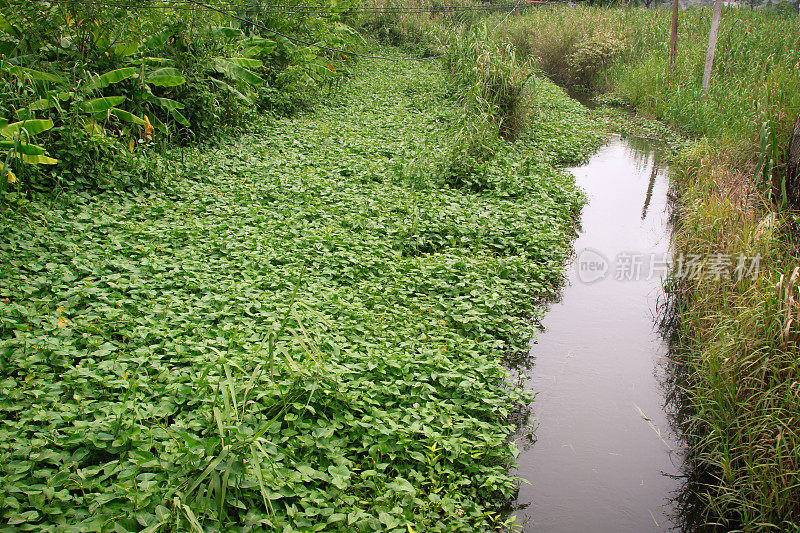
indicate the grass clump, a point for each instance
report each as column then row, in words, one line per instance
column 572, row 49
column 493, row 92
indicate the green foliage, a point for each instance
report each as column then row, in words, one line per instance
column 487, row 78
column 115, row 80
column 757, row 54
column 564, row 45
column 296, row 335
column 493, row 92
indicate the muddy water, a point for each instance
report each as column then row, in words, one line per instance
column 602, row 452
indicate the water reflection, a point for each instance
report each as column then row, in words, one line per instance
column 605, row 453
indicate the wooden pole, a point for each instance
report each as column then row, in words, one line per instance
column 712, row 44
column 673, row 38
column 793, row 168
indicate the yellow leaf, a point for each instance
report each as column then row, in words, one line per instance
column 11, row 177
column 93, row 128
column 149, row 132
column 37, row 159
column 131, row 146
column 62, row 322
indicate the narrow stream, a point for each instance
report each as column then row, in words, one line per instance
column 602, row 453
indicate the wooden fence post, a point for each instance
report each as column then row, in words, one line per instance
column 673, row 38
column 712, row 44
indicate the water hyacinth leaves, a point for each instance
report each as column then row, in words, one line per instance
column 366, row 397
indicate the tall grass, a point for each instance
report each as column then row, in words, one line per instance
column 755, row 77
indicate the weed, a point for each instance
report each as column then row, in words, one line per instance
column 293, row 335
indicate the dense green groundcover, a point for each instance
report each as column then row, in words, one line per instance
column 303, row 331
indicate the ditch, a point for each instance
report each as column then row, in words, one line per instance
column 603, row 456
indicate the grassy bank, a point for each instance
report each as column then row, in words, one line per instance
column 739, row 337
column 304, row 330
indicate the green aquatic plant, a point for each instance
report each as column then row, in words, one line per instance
column 296, row 333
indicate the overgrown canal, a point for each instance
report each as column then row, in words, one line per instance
column 602, row 456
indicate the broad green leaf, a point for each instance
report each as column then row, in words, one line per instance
column 33, row 127
column 126, row 116
column 318, row 72
column 9, row 27
column 21, row 518
column 178, row 116
column 3, row 123
column 167, row 103
column 258, row 47
column 36, row 75
column 93, row 128
column 284, row 44
column 38, row 159
column 25, row 114
column 246, row 63
column 22, row 147
column 235, row 72
column 6, row 48
column 126, row 49
column 39, row 105
column 166, row 77
column 402, row 485
column 113, row 76
column 158, row 39
column 160, row 126
column 98, row 105
column 222, row 85
column 229, row 33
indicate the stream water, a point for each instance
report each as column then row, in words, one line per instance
column 602, row 457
